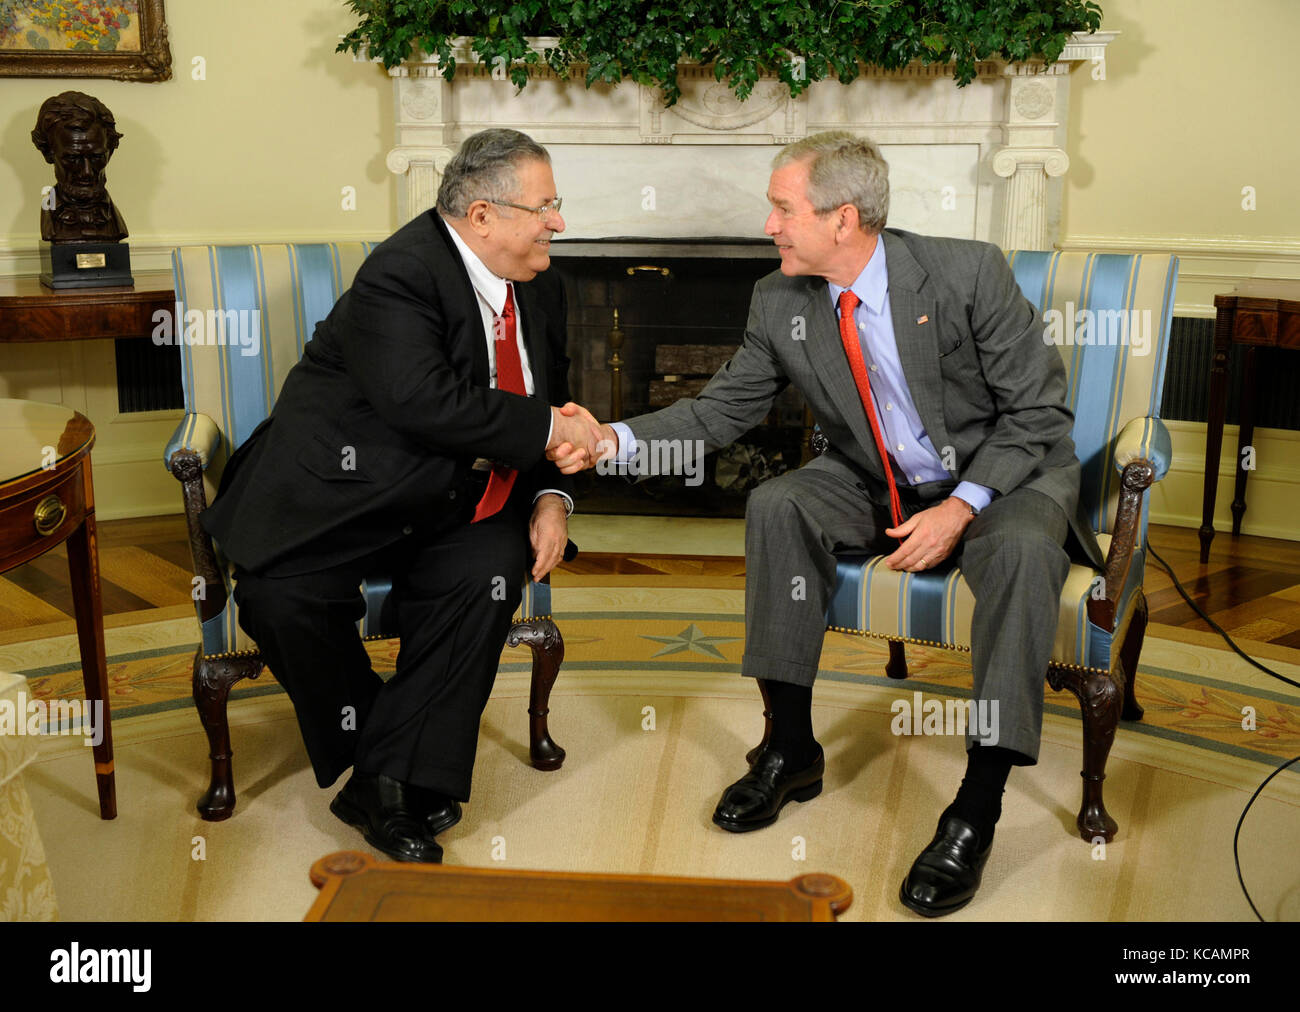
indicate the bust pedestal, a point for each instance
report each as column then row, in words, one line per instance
column 86, row 265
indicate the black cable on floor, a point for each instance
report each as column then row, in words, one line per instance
column 1214, row 625
column 1236, row 858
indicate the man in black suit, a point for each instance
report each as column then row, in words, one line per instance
column 410, row 439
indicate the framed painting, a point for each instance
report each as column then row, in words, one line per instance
column 122, row 39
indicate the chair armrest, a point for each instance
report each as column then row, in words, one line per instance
column 1144, row 439
column 187, row 464
column 1139, row 475
column 1142, row 455
column 196, row 433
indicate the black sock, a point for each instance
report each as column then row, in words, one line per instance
column 979, row 799
column 792, row 733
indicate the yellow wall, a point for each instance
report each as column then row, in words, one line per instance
column 1198, row 101
column 259, row 149
column 1160, row 149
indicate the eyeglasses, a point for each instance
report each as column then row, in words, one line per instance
column 541, row 212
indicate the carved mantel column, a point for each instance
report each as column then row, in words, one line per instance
column 1037, row 107
column 1036, row 96
column 422, row 153
column 422, row 168
column 1024, row 219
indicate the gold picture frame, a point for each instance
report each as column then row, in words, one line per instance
column 99, row 27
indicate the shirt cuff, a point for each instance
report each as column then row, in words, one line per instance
column 979, row 496
column 568, row 499
column 626, row 442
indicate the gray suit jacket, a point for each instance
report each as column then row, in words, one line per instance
column 983, row 380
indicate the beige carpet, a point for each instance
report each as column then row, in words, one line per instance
column 635, row 800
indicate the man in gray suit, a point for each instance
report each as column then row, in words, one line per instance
column 944, row 410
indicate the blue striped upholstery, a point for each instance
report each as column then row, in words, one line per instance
column 260, row 304
column 1111, row 315
column 1109, row 384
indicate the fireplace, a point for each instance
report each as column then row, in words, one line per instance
column 650, row 321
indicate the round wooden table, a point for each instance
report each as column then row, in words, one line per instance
column 46, row 499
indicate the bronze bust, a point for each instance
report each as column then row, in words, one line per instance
column 77, row 135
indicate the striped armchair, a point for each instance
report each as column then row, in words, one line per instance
column 258, row 306
column 1115, row 370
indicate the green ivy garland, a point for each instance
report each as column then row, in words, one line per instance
column 799, row 41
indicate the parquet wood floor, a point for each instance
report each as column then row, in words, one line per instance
column 1251, row 586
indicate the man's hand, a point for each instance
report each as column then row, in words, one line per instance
column 930, row 536
column 548, row 532
column 593, row 442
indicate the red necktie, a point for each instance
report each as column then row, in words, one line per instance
column 510, row 377
column 849, row 335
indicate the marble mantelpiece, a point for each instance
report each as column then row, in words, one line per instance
column 984, row 161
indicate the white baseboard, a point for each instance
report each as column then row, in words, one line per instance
column 1272, row 489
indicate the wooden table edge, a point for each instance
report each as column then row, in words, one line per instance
column 828, row 896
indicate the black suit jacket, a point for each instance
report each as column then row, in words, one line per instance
column 375, row 430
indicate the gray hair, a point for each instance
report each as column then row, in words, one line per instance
column 843, row 169
column 484, row 168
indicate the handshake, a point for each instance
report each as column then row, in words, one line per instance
column 578, row 441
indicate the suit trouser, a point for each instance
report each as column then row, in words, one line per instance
column 454, row 594
column 1012, row 557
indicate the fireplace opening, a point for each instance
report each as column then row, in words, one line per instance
column 649, row 322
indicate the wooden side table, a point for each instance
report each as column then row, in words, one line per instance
column 31, row 312
column 355, row 887
column 47, row 498
column 1258, row 314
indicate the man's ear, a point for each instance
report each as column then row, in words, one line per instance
column 479, row 216
column 848, row 222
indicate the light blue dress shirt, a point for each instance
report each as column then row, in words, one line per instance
column 900, row 424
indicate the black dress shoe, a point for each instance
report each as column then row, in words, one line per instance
column 389, row 817
column 440, row 812
column 755, row 800
column 947, row 873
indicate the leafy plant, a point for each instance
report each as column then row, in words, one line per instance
column 799, row 41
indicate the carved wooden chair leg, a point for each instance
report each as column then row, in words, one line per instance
column 752, row 754
column 1100, row 700
column 1128, row 658
column 896, row 666
column 213, row 680
column 543, row 637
